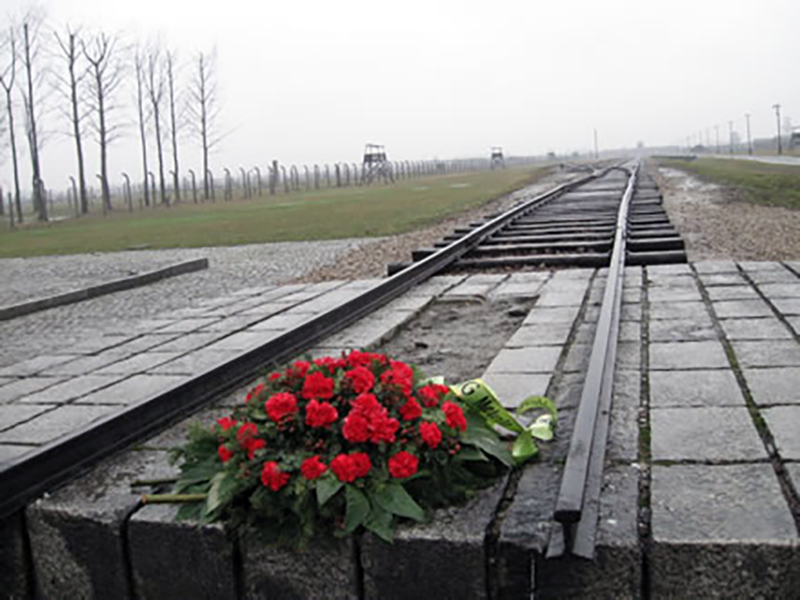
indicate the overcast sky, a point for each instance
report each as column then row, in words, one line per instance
column 313, row 81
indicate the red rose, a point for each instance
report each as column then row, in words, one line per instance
column 454, row 416
column 348, row 468
column 403, row 465
column 431, row 434
column 255, row 392
column 361, row 379
column 253, row 444
column 320, row 414
column 313, row 467
column 411, row 410
column 245, row 432
column 361, row 463
column 280, row 406
column 318, row 386
column 224, row 454
column 226, row 423
column 272, row 477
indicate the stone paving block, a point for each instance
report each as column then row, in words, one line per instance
column 188, row 325
column 704, row 434
column 540, row 359
column 330, row 300
column 721, row 532
column 623, row 436
column 577, row 360
column 172, row 559
column 133, row 390
column 631, row 312
column 716, row 266
column 442, row 559
column 86, row 364
column 629, row 356
column 15, row 564
column 99, row 343
column 616, row 571
column 548, row 298
column 566, row 389
column 70, row 389
column 732, row 292
column 475, row 285
column 9, row 452
column 677, row 294
column 682, row 330
column 694, row 388
column 687, row 355
column 327, row 568
column 138, row 363
column 592, row 314
column 244, row 340
column 12, row 415
column 5, row 380
column 233, row 323
column 776, row 276
column 369, row 331
column 145, row 342
column 284, row 321
column 755, row 329
column 676, row 269
column 761, row 265
column 780, row 290
column 540, row 334
column 767, row 354
column 631, row 295
column 795, row 323
column 774, row 386
column 55, row 423
column 793, row 470
column 677, row 310
column 189, row 342
column 413, row 303
column 657, row 280
column 714, row 279
column 730, row 309
column 787, row 306
column 784, row 423
column 514, row 289
column 21, row 388
column 194, row 363
column 564, row 314
column 437, row 285
column 34, row 365
column 76, row 532
column 513, row 388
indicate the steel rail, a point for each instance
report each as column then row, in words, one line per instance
column 578, row 501
column 31, row 474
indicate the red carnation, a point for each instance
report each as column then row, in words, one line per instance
column 330, row 363
column 400, row 375
column 300, row 367
column 313, row 467
column 432, row 393
column 226, row 423
column 403, row 465
column 318, row 386
column 368, row 419
column 255, row 392
column 275, row 376
column 253, row 444
column 224, row 454
column 272, row 477
column 361, row 359
column 431, row 434
column 280, row 406
column 245, row 432
column 361, row 463
column 361, row 379
column 454, row 416
column 320, row 414
column 411, row 410
column 356, row 428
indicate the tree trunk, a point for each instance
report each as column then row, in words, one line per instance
column 160, row 152
column 175, row 170
column 101, row 114
column 77, row 129
column 142, row 132
column 14, row 158
column 33, row 141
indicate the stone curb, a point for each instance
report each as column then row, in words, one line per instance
column 117, row 285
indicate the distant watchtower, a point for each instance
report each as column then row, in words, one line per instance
column 498, row 162
column 375, row 165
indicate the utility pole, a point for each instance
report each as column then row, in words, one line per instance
column 749, row 141
column 730, row 136
column 716, row 130
column 777, row 108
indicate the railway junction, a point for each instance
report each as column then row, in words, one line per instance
column 674, row 471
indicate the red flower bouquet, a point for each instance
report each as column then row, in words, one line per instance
column 337, row 444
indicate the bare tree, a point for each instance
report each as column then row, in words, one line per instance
column 31, row 46
column 70, row 86
column 8, row 51
column 144, row 115
column 106, row 76
column 171, row 59
column 203, row 109
column 155, row 83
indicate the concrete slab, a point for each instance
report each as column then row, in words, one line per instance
column 704, row 434
column 755, row 329
column 243, row 341
column 132, row 390
column 687, row 355
column 795, row 324
column 732, row 292
column 9, row 452
column 784, row 424
column 727, row 309
column 138, row 363
column 70, row 389
column 194, row 363
column 541, row 359
column 561, row 298
column 721, row 531
column 189, row 342
column 540, row 334
column 767, row 354
column 565, row 314
column 370, row 331
column 86, row 364
column 678, row 310
column 787, row 306
column 715, row 266
column 35, row 365
column 714, row 279
column 772, row 276
column 694, row 388
column 513, row 388
column 682, row 330
column 677, row 294
column 13, row 414
column 774, row 386
column 780, row 290
column 55, row 423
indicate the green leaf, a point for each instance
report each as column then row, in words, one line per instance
column 524, row 447
column 471, row 454
column 486, row 439
column 542, row 428
column 357, row 508
column 327, row 486
column 534, row 402
column 394, row 498
column 221, row 491
column 379, row 522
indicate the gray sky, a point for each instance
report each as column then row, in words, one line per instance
column 312, row 81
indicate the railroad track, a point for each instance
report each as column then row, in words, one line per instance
column 609, row 218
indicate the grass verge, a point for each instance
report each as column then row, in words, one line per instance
column 308, row 215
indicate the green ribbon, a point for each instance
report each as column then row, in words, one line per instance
column 476, row 394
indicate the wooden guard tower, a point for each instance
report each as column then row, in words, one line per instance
column 498, row 162
column 375, row 165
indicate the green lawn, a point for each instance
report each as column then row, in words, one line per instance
column 321, row 214
column 762, row 183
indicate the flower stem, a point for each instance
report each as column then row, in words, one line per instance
column 172, row 498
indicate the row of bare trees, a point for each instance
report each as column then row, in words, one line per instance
column 90, row 73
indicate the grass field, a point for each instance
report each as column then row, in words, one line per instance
column 322, row 214
column 761, row 183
